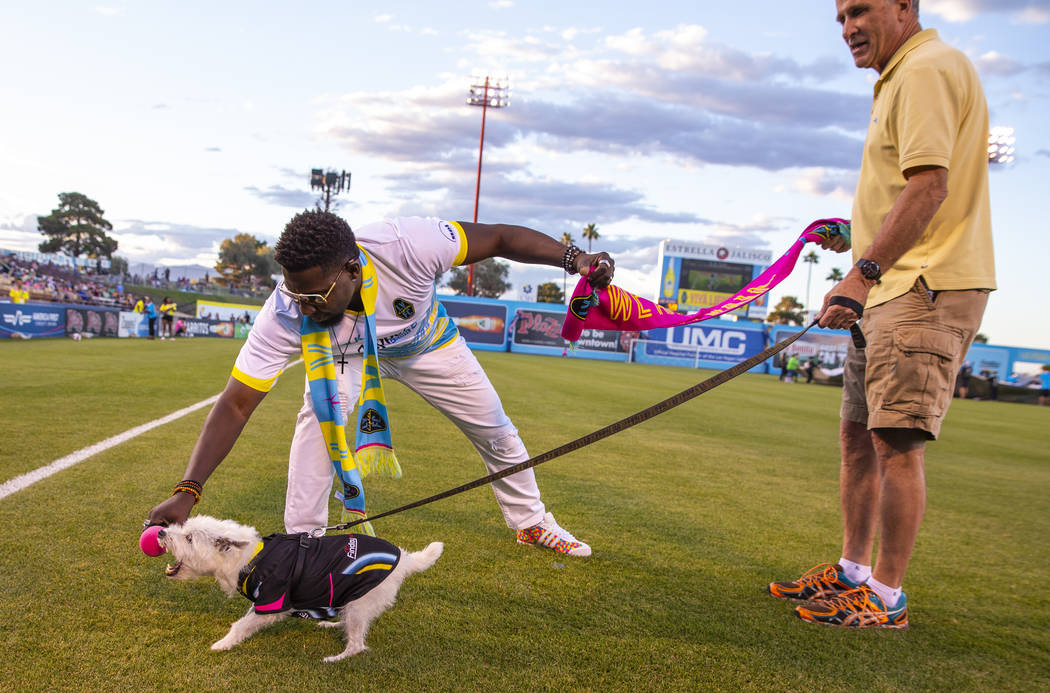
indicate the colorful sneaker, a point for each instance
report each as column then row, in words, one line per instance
column 822, row 582
column 551, row 536
column 859, row 608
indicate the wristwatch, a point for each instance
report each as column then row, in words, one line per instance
column 869, row 269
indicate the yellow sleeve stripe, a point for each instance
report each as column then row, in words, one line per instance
column 462, row 254
column 254, row 383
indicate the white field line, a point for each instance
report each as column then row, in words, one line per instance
column 29, row 478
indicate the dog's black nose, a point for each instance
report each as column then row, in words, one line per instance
column 161, row 533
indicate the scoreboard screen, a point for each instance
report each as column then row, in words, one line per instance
column 700, row 276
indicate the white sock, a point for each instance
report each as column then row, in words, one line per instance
column 855, row 572
column 889, row 595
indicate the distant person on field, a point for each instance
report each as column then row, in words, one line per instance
column 962, row 380
column 150, row 311
column 1044, row 384
column 791, row 368
column 922, row 244
column 18, row 293
column 361, row 308
column 810, row 367
column 167, row 319
column 139, row 307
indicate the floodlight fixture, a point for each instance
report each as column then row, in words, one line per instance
column 328, row 183
column 1001, row 145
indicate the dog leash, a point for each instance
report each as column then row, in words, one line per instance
column 613, row 428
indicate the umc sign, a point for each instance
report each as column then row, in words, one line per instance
column 710, row 340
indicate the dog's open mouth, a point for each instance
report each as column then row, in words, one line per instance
column 171, row 570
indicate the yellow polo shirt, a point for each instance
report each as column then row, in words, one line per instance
column 928, row 110
column 18, row 295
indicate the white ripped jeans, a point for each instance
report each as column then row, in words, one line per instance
column 452, row 381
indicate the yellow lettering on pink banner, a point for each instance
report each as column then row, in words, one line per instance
column 619, row 304
column 642, row 311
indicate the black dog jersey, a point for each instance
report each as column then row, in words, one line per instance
column 296, row 571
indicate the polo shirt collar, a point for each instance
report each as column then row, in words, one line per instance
column 911, row 44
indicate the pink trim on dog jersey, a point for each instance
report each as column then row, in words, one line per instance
column 272, row 606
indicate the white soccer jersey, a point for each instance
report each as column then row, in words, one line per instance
column 408, row 254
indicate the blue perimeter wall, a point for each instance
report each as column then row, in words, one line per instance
column 535, row 328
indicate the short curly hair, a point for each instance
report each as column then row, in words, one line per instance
column 315, row 239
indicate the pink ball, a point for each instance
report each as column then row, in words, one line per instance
column 148, row 541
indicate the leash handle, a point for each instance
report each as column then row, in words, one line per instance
column 854, row 330
column 632, row 420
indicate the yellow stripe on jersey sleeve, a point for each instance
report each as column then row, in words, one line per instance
column 462, row 254
column 254, row 383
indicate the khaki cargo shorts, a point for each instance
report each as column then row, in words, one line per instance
column 906, row 375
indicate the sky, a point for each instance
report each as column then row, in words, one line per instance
column 736, row 125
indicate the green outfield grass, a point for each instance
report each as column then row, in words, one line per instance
column 689, row 515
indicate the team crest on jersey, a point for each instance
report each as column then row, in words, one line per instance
column 372, row 422
column 350, row 491
column 403, row 309
column 447, row 231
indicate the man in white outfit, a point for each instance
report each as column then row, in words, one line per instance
column 325, row 266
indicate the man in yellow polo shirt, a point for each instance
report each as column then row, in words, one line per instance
column 922, row 244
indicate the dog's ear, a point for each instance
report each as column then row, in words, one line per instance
column 224, row 544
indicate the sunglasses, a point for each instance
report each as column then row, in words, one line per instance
column 313, row 299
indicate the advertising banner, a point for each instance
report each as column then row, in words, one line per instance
column 98, row 322
column 129, row 324
column 211, row 310
column 28, row 320
column 195, row 327
column 538, row 328
column 826, row 347
column 479, row 323
column 708, row 344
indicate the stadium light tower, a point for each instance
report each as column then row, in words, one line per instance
column 1001, row 145
column 329, row 182
column 486, row 93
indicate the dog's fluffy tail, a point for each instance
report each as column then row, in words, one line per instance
column 417, row 561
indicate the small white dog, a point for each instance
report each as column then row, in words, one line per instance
column 285, row 574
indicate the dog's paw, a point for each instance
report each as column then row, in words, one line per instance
column 344, row 654
column 223, row 645
column 329, row 624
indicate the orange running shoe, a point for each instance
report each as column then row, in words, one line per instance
column 859, row 608
column 822, row 582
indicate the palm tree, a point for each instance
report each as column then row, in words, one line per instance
column 810, row 260
column 835, row 275
column 590, row 232
column 566, row 239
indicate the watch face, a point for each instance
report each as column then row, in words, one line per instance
column 869, row 268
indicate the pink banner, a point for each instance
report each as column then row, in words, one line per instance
column 612, row 308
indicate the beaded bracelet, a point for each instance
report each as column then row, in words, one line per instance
column 568, row 261
column 191, row 487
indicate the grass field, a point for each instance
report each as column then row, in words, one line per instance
column 689, row 515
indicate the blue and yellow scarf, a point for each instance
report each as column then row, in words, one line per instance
column 374, row 449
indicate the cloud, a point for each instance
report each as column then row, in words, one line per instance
column 839, row 184
column 686, row 49
column 1023, row 11
column 284, row 197
column 995, row 63
column 1043, row 152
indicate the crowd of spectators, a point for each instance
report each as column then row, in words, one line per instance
column 50, row 282
column 46, row 281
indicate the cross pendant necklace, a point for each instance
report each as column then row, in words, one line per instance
column 342, row 352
